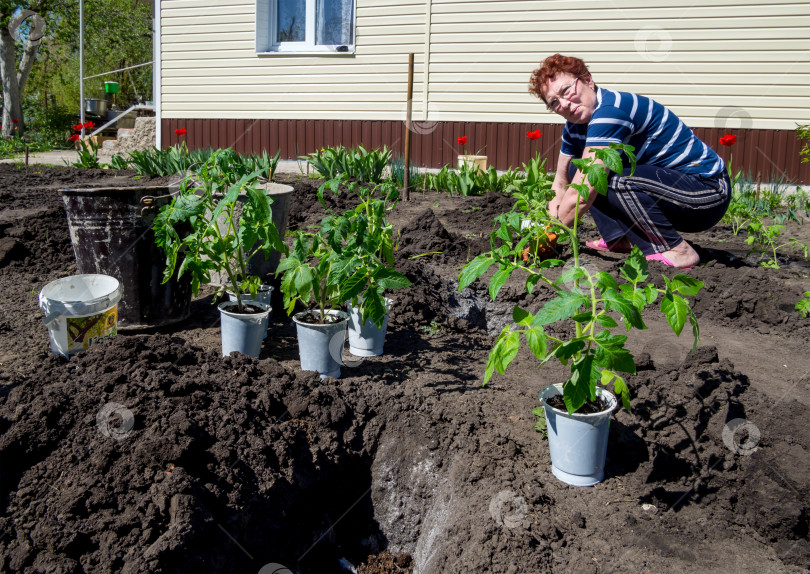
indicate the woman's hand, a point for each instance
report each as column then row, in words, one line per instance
column 554, row 207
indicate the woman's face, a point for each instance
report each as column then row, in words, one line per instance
column 570, row 97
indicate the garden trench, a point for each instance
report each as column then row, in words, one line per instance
column 233, row 464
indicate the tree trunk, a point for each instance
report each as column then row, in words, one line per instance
column 12, row 100
column 14, row 80
column 35, row 35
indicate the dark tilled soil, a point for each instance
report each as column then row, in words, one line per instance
column 152, row 453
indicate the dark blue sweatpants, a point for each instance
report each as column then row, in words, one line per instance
column 652, row 205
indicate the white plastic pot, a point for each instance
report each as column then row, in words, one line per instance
column 263, row 295
column 578, row 442
column 320, row 345
column 366, row 340
column 243, row 332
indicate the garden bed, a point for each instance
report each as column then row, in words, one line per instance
column 405, row 463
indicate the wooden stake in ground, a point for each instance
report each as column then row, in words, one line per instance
column 407, row 159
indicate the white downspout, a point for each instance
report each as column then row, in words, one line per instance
column 156, row 69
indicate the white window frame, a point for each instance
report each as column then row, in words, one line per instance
column 266, row 28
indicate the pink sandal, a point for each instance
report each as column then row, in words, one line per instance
column 664, row 260
column 619, row 246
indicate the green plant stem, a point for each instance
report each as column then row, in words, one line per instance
column 231, row 275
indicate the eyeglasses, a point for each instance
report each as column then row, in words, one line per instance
column 566, row 94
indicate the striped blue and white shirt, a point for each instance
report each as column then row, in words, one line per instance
column 659, row 137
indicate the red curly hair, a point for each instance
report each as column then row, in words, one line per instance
column 552, row 66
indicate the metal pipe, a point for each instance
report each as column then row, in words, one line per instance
column 81, row 64
column 120, row 116
column 118, row 70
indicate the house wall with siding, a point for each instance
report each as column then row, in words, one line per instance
column 741, row 65
column 744, row 63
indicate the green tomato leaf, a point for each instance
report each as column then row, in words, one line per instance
column 597, row 177
column 342, row 268
column 634, row 269
column 568, row 349
column 611, row 354
column 676, row 310
column 615, row 302
column 695, row 330
column 611, row 159
column 582, row 384
column 521, row 316
column 605, row 281
column 620, row 388
column 303, row 280
column 498, row 280
column 503, row 233
column 686, row 285
column 650, row 293
column 606, row 321
column 531, row 282
column 474, row 269
column 565, row 305
column 583, row 317
column 537, row 341
column 490, row 370
column 354, row 285
column 373, row 308
column 570, row 275
column 504, row 352
column 389, row 279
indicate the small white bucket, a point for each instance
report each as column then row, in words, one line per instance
column 80, row 310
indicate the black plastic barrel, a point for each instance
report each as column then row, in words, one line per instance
column 111, row 232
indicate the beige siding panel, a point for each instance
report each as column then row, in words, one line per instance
column 186, row 24
column 174, row 9
column 701, row 60
column 279, row 83
column 591, row 6
column 298, row 91
column 786, row 94
column 283, row 74
column 209, row 54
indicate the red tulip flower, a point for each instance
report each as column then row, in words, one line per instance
column 535, row 135
column 77, row 127
column 74, row 137
column 181, row 131
column 89, row 125
column 729, row 140
column 462, row 140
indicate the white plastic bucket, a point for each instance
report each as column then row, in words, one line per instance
column 80, row 310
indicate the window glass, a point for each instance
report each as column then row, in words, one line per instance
column 291, row 19
column 333, row 22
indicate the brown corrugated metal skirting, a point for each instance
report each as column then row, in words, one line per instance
column 764, row 155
